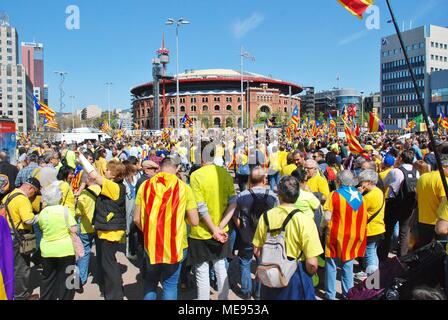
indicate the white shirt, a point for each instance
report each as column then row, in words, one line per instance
column 395, row 178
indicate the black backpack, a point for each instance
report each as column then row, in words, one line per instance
column 259, row 207
column 408, row 189
column 250, row 218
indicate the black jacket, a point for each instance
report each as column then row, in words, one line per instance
column 105, row 206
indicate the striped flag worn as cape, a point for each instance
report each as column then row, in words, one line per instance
column 163, row 218
column 6, row 262
column 347, row 231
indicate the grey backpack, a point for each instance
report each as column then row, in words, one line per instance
column 275, row 269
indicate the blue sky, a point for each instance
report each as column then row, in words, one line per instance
column 305, row 42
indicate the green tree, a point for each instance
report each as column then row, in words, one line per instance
column 206, row 119
column 321, row 117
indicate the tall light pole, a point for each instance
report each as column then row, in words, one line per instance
column 178, row 23
column 243, row 55
column 108, row 84
column 62, row 74
column 362, row 108
column 73, row 108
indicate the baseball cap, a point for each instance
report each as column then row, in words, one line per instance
column 389, row 160
column 33, row 182
column 148, row 164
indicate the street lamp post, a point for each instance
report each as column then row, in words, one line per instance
column 362, row 108
column 62, row 74
column 178, row 23
column 243, row 55
column 73, row 108
column 108, row 84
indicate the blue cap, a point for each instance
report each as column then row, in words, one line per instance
column 389, row 160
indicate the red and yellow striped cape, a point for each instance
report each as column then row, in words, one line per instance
column 163, row 218
column 347, row 231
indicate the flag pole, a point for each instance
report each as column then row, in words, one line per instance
column 420, row 101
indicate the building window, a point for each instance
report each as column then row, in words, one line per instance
column 239, row 108
column 437, row 45
column 182, row 108
column 229, row 108
column 10, row 113
column 172, row 109
column 193, row 108
column 204, row 108
column 193, row 100
column 286, row 110
column 19, row 97
column 205, row 99
column 20, row 112
column 20, row 120
column 432, row 44
column 217, row 108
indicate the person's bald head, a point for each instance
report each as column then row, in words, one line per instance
column 168, row 165
column 257, row 176
column 3, row 156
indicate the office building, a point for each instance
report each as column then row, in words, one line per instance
column 427, row 48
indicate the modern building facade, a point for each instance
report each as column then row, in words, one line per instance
column 91, row 112
column 439, row 93
column 213, row 97
column 372, row 103
column 427, row 48
column 333, row 101
column 16, row 89
column 33, row 61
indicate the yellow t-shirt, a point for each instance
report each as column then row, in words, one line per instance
column 111, row 190
column 288, row 169
column 374, row 201
column 101, row 166
column 85, row 208
column 319, row 184
column 383, row 176
column 20, row 210
column 301, row 233
column 442, row 213
column 212, row 186
column 274, row 162
column 67, row 197
column 282, row 158
column 429, row 194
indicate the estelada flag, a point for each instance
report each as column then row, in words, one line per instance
column 164, row 202
column 295, row 116
column 353, row 144
column 356, row 7
column 347, row 230
column 357, row 130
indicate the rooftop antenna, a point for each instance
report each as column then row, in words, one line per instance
column 338, row 78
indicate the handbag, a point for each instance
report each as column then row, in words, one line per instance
column 27, row 241
column 76, row 241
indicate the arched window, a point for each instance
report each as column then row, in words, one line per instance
column 143, row 125
column 204, row 108
column 147, row 124
column 239, row 108
column 286, row 109
column 265, row 109
column 230, row 122
column 182, row 108
column 217, row 122
column 147, row 112
column 172, row 109
column 172, row 124
column 193, row 108
column 229, row 107
column 217, row 108
column 143, row 112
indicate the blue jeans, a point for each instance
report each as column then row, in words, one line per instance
column 38, row 234
column 83, row 263
column 245, row 258
column 167, row 274
column 330, row 277
column 274, row 179
column 371, row 256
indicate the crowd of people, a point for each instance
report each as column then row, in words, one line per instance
column 188, row 207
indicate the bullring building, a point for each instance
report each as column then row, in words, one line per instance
column 213, row 98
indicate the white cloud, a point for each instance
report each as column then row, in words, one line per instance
column 241, row 28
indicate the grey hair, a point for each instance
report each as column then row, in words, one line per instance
column 51, row 194
column 346, row 178
column 371, row 165
column 368, row 175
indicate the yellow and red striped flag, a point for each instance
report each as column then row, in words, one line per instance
column 347, row 232
column 163, row 206
column 356, row 7
column 353, row 144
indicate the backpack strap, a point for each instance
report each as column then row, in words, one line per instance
column 376, row 213
column 289, row 217
column 14, row 228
